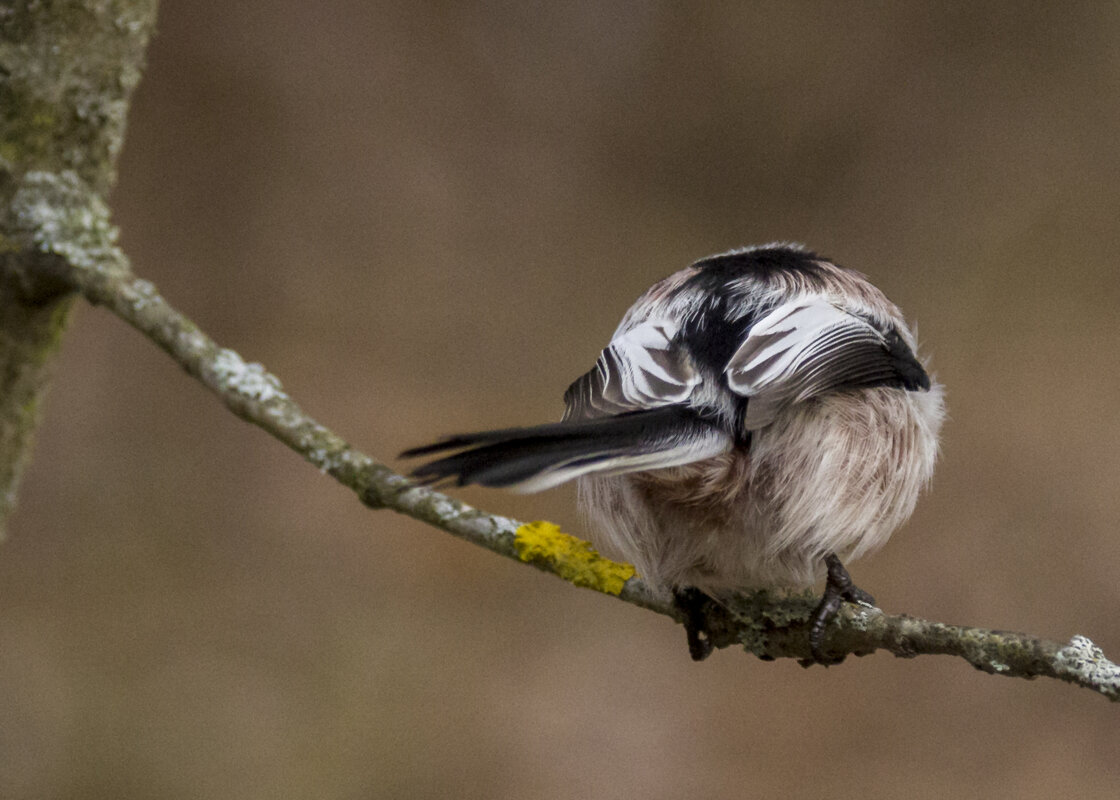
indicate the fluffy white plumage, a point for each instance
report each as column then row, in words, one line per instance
column 752, row 414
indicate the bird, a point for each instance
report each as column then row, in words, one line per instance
column 757, row 420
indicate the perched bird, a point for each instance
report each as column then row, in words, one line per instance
column 756, row 418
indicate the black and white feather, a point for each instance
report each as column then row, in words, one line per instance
column 751, row 413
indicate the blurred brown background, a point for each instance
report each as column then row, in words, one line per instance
column 427, row 218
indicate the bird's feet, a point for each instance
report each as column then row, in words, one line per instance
column 837, row 589
column 693, row 605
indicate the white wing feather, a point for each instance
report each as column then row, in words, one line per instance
column 798, row 350
column 641, row 368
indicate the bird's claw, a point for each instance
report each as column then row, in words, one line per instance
column 692, row 602
column 838, row 588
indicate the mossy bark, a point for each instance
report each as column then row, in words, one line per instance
column 67, row 71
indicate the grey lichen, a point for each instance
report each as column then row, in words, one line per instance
column 67, row 71
column 1084, row 663
column 861, row 619
column 142, row 294
column 756, row 618
column 65, row 217
column 251, row 381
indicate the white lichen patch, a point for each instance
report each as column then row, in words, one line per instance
column 141, row 294
column 488, row 526
column 861, row 619
column 504, row 524
column 65, row 217
column 1085, row 662
column 330, row 459
column 446, row 509
column 193, row 341
column 249, row 380
column 323, row 459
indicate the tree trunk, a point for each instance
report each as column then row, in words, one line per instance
column 67, row 71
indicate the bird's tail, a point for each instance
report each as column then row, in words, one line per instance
column 532, row 459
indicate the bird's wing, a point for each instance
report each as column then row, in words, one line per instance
column 642, row 368
column 808, row 346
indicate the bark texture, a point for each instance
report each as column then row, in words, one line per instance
column 67, row 71
column 766, row 625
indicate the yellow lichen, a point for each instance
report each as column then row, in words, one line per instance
column 574, row 560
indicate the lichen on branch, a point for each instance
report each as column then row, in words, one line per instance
column 767, row 625
column 67, row 72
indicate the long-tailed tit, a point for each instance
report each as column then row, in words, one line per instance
column 755, row 418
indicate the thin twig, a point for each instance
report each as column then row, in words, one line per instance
column 87, row 259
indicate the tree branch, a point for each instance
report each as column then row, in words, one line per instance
column 86, row 258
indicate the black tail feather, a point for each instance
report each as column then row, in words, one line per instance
column 562, row 450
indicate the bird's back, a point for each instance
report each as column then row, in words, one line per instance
column 799, row 477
